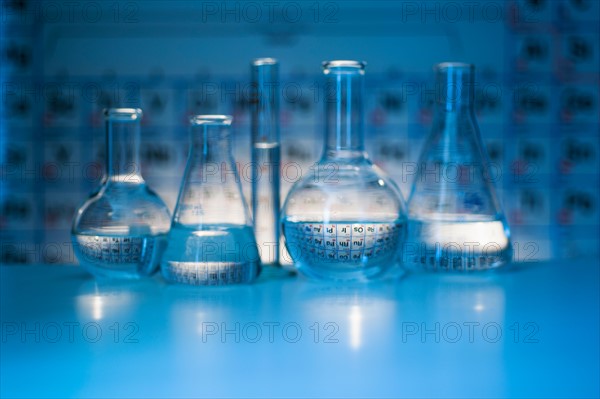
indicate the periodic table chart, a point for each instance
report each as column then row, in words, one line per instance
column 537, row 100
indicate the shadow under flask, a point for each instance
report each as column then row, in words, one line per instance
column 455, row 220
column 120, row 231
column 211, row 241
column 345, row 220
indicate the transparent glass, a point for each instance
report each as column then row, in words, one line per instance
column 266, row 155
column 120, row 231
column 211, row 241
column 455, row 220
column 345, row 220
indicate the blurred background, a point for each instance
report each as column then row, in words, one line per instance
column 64, row 61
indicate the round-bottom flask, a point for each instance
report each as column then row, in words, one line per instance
column 120, row 231
column 211, row 240
column 345, row 220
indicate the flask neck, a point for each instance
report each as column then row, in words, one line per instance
column 265, row 101
column 344, row 125
column 455, row 86
column 123, row 147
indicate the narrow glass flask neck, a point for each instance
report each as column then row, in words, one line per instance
column 455, row 85
column 344, row 128
column 123, row 151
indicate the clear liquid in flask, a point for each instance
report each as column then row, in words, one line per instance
column 131, row 256
column 344, row 250
column 213, row 255
column 475, row 243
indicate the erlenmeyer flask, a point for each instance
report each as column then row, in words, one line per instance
column 455, row 220
column 120, row 231
column 345, row 219
column 211, row 240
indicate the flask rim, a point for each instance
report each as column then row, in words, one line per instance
column 344, row 66
column 197, row 120
column 264, row 61
column 123, row 114
column 454, row 66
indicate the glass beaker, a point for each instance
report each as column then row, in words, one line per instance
column 345, row 219
column 455, row 220
column 266, row 153
column 211, row 241
column 120, row 231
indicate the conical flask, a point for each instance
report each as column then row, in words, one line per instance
column 211, row 241
column 120, row 231
column 345, row 219
column 455, row 220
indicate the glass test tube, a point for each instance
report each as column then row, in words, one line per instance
column 266, row 153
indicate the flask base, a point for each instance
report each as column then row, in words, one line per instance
column 456, row 246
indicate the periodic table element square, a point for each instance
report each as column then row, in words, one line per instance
column 344, row 230
column 577, row 14
column 199, row 271
column 331, row 255
column 20, row 210
column 62, row 103
column 578, row 58
column 344, row 243
column 213, row 274
column 158, row 106
column 330, row 230
column 299, row 103
column 18, row 247
column 211, row 96
column 60, row 204
column 577, row 242
column 344, row 255
column 356, row 256
column 18, row 51
column 389, row 151
column 330, row 243
column 533, row 102
column 318, row 241
column 496, row 150
column 18, row 158
column 530, row 14
column 358, row 230
column 371, row 230
column 577, row 205
column 111, row 92
column 388, row 105
column 63, row 159
column 158, row 152
column 320, row 253
column 579, row 104
column 531, row 160
column 532, row 53
column 579, row 154
column 20, row 102
column 316, row 229
column 370, row 241
column 528, row 206
column 490, row 97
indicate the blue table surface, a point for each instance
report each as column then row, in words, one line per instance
column 531, row 330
